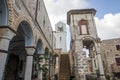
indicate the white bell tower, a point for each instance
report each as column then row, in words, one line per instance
column 61, row 35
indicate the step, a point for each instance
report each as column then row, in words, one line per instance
column 64, row 71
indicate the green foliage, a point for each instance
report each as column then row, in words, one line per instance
column 45, row 71
column 46, row 51
column 74, row 79
column 107, row 77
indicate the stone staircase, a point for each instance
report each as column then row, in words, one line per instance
column 64, row 70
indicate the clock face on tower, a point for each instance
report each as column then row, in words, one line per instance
column 60, row 28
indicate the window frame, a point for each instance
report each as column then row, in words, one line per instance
column 83, row 22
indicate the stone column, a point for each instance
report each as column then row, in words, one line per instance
column 100, row 64
column 91, row 51
column 40, row 75
column 5, row 36
column 29, row 60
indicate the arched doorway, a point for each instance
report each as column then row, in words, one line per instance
column 3, row 13
column 16, row 61
column 36, row 62
column 12, row 70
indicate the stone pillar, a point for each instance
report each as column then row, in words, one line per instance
column 5, row 36
column 29, row 60
column 92, row 59
column 57, row 65
column 40, row 75
column 100, row 64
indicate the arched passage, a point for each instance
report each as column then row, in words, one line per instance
column 37, row 59
column 3, row 13
column 16, row 61
column 25, row 31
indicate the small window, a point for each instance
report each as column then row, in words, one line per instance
column 43, row 23
column 118, row 61
column 118, row 47
column 60, row 39
column 39, row 5
column 95, row 63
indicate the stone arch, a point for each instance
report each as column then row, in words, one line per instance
column 87, row 41
column 23, row 38
column 24, row 30
column 3, row 13
column 88, row 38
column 23, row 18
column 16, row 58
column 95, row 40
column 29, row 23
column 83, row 21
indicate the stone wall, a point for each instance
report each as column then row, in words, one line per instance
column 34, row 12
column 109, row 53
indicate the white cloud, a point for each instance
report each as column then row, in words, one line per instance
column 57, row 9
column 109, row 26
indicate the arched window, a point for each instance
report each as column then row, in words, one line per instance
column 83, row 27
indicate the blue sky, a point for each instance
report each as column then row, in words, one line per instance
column 107, row 18
column 104, row 6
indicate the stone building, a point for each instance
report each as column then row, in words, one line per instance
column 25, row 36
column 84, row 35
column 61, row 35
column 110, row 50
